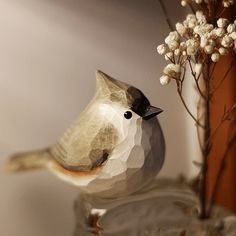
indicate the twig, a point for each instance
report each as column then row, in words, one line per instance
column 221, row 13
column 220, row 172
column 171, row 59
column 206, row 148
column 213, row 69
column 196, row 79
column 192, row 8
column 206, row 91
column 188, row 110
column 198, row 131
column 225, row 117
column 224, row 77
column 163, row 7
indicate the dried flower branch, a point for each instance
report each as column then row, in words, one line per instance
column 231, row 142
column 198, row 43
column 179, row 90
column 225, row 117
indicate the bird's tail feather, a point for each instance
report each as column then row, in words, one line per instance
column 28, row 160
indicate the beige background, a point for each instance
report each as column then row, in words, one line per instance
column 49, row 51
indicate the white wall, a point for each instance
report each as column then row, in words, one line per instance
column 49, row 51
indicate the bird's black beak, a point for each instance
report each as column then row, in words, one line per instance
column 151, row 112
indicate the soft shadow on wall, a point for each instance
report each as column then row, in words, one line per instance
column 49, row 53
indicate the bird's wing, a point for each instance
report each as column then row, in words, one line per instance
column 28, row 160
column 86, row 146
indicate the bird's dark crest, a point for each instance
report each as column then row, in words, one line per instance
column 122, row 93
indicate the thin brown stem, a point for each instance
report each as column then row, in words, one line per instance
column 220, row 172
column 206, row 148
column 171, row 59
column 196, row 79
column 192, row 8
column 212, row 70
column 203, row 81
column 222, row 12
column 223, row 78
column 182, row 79
column 198, row 130
column 232, row 139
column 168, row 21
column 188, row 110
column 225, row 117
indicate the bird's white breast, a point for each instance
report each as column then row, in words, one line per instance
column 134, row 162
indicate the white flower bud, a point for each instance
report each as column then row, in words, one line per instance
column 203, row 29
column 199, row 14
column 215, row 57
column 161, row 49
column 227, row 3
column 222, row 22
column 185, row 23
column 198, row 69
column 180, row 28
column 168, row 56
column 172, row 36
column 191, row 23
column 184, row 3
column 198, row 1
column 173, row 45
column 231, row 28
column 233, row 35
column 172, row 70
column 227, row 41
column 165, row 79
column 203, row 42
column 177, row 69
column 208, row 27
column 191, row 17
column 209, row 49
column 212, row 42
column 182, row 45
column 191, row 50
column 172, row 40
column 200, row 17
column 197, row 30
column 223, row 51
column 192, row 46
column 177, row 52
column 219, row 32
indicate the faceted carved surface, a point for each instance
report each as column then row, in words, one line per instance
column 93, row 136
column 118, row 155
column 134, row 161
column 113, row 148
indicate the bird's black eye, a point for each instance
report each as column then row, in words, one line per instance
column 128, row 114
